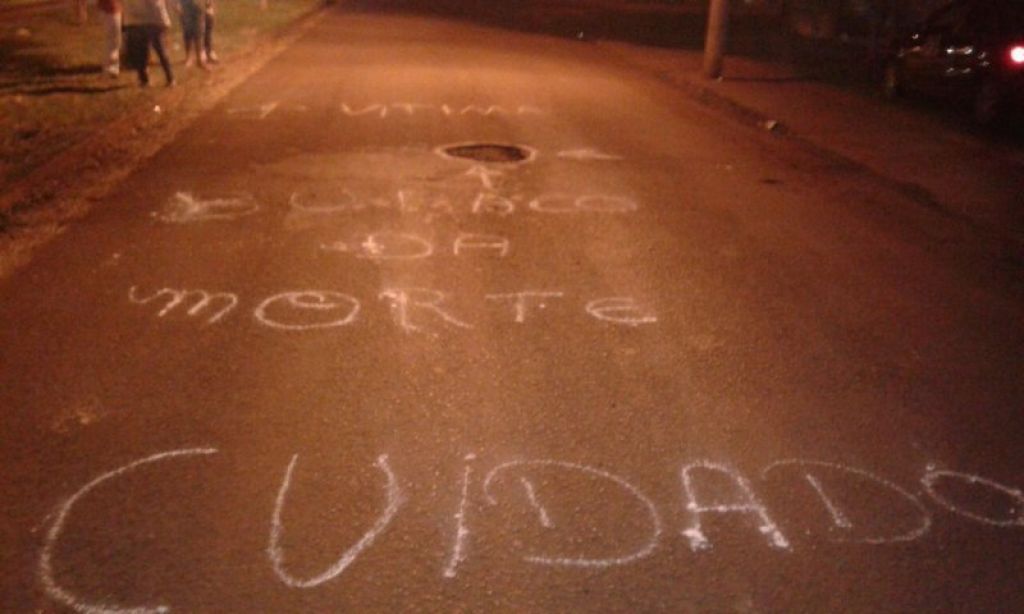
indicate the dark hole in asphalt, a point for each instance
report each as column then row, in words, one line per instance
column 488, row 152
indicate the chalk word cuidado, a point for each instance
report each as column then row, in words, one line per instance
column 709, row 490
column 414, row 310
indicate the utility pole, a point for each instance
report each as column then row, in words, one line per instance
column 714, row 40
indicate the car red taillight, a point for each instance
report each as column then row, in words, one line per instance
column 1017, row 55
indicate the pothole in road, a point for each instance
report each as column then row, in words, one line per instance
column 488, row 152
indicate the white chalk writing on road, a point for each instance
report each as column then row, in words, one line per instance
column 406, row 301
column 839, row 517
column 202, row 300
column 184, row 208
column 620, row 310
column 414, row 310
column 748, row 504
column 46, row 568
column 934, row 476
column 587, row 154
column 742, row 496
column 461, row 532
column 531, row 495
column 388, row 245
column 308, row 310
column 383, row 110
column 521, row 301
column 582, row 561
column 487, row 176
column 483, row 203
column 275, row 553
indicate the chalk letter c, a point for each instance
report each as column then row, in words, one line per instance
column 46, row 576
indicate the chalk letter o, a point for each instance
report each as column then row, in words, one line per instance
column 839, row 517
column 320, row 301
column 934, row 475
column 619, row 310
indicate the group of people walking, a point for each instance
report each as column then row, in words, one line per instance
column 140, row 25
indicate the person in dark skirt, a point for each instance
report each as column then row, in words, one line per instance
column 145, row 22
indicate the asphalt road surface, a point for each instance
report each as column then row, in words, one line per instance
column 605, row 352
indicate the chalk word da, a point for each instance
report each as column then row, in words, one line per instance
column 398, row 246
column 414, row 310
column 710, row 490
column 484, row 203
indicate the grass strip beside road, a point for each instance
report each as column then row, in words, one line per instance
column 53, row 96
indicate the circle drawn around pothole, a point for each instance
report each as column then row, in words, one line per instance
column 488, row 152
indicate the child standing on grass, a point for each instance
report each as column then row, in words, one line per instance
column 145, row 22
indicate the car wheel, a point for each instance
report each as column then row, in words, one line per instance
column 988, row 103
column 892, row 80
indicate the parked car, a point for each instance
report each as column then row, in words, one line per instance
column 966, row 51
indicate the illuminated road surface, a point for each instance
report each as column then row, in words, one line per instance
column 636, row 359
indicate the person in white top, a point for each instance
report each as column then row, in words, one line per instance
column 111, row 10
column 145, row 22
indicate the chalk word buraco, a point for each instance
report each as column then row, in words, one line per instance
column 414, row 310
column 708, row 489
column 184, row 208
column 485, row 203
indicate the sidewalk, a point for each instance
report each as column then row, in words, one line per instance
column 953, row 168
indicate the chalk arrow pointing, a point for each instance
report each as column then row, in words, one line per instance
column 587, row 154
column 262, row 111
column 267, row 109
column 485, row 175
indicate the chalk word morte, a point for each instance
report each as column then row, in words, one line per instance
column 414, row 310
column 384, row 110
column 704, row 483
